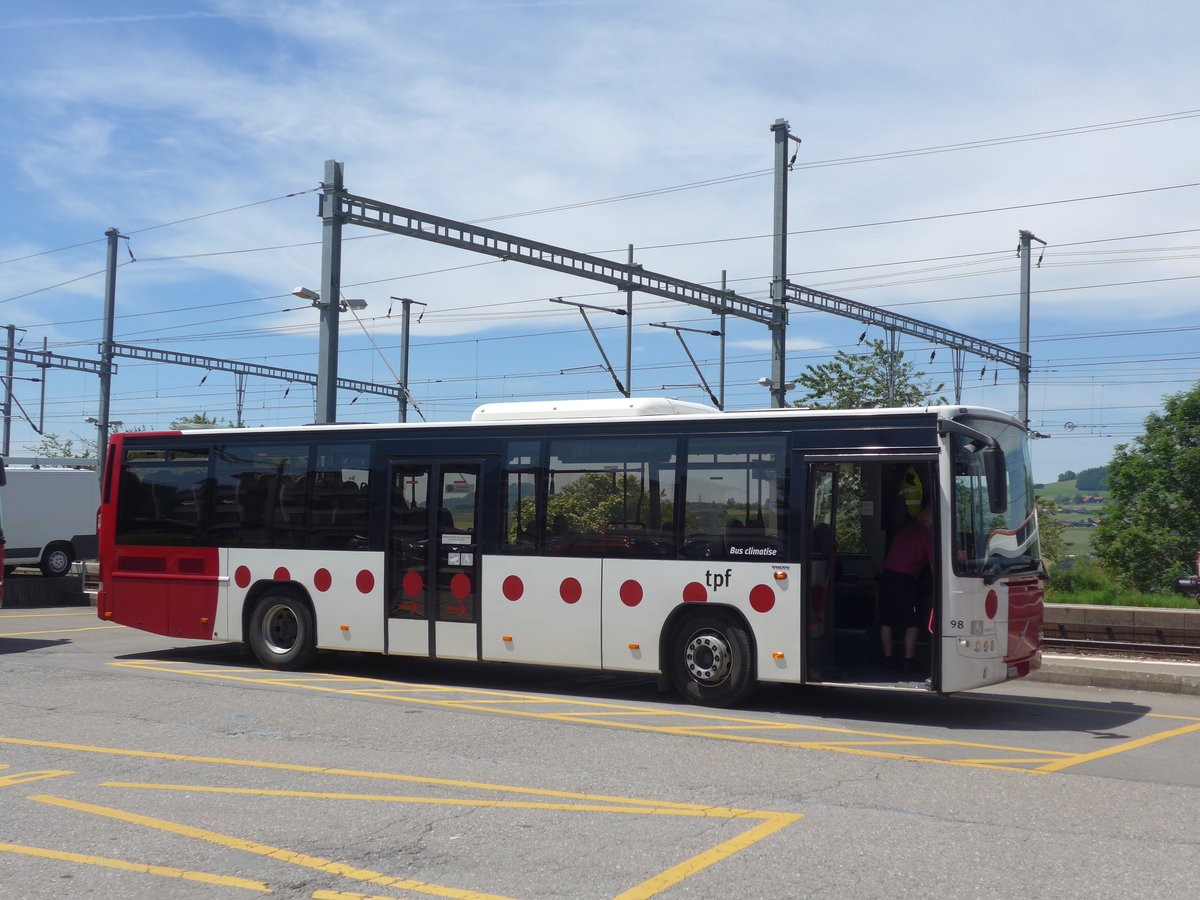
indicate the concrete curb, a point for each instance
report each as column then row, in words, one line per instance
column 1126, row 674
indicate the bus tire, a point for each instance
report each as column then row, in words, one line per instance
column 56, row 560
column 710, row 660
column 283, row 631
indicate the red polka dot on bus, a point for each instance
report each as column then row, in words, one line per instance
column 460, row 586
column 322, row 580
column 513, row 588
column 991, row 604
column 241, row 577
column 365, row 582
column 762, row 598
column 631, row 593
column 695, row 593
column 570, row 590
column 282, row 574
column 412, row 584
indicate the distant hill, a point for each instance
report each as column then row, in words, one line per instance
column 1068, row 492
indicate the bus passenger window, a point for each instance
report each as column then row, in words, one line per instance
column 248, row 481
column 522, row 468
column 611, row 497
column 735, row 507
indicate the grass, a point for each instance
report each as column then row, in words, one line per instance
column 1117, row 597
column 1085, row 581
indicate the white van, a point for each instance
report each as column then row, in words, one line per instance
column 49, row 517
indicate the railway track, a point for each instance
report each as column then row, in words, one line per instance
column 1123, row 631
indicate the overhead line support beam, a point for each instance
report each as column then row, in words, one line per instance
column 368, row 213
column 871, row 315
column 241, row 368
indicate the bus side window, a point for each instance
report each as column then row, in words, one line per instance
column 736, row 496
column 520, row 500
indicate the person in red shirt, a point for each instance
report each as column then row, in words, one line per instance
column 901, row 595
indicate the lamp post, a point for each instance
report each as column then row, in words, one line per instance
column 326, row 412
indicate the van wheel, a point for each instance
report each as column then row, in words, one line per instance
column 282, row 631
column 710, row 660
column 56, row 560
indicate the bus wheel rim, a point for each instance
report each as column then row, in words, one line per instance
column 708, row 658
column 280, row 629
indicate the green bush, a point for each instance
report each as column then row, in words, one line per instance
column 1086, row 581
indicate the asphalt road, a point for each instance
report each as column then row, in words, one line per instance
column 133, row 765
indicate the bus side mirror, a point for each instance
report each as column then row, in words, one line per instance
column 997, row 479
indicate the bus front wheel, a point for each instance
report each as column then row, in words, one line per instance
column 282, row 631
column 710, row 660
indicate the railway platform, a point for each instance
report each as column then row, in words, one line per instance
column 1166, row 676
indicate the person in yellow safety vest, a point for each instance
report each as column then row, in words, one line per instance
column 912, row 491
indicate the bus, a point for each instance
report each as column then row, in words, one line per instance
column 3, row 479
column 716, row 550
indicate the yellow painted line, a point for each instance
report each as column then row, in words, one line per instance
column 108, row 863
column 772, row 821
column 73, row 615
column 299, row 859
column 676, row 874
column 59, row 631
column 385, row 776
column 26, row 777
column 1119, row 748
column 713, row 812
column 712, row 726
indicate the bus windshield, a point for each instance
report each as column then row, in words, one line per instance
column 986, row 543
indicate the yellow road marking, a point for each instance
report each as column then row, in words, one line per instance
column 1119, row 748
column 59, row 631
column 712, row 726
column 25, row 777
column 74, row 615
column 715, row 812
column 324, row 770
column 599, row 803
column 676, row 874
column 108, row 863
column 706, row 725
column 298, row 859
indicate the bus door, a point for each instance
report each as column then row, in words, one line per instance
column 821, row 564
column 857, row 505
column 432, row 569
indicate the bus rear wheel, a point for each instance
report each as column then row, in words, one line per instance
column 710, row 660
column 282, row 631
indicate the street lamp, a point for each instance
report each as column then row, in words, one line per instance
column 346, row 303
column 328, row 350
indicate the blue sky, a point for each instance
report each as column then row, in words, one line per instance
column 200, row 130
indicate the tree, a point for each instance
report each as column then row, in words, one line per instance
column 51, row 446
column 1068, row 475
column 1152, row 521
column 1092, row 479
column 200, row 420
column 1051, row 531
column 880, row 377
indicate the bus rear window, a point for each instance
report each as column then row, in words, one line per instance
column 162, row 497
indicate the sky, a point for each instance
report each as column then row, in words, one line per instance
column 930, row 136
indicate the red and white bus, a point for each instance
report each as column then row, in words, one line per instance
column 717, row 550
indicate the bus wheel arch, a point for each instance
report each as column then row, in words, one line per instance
column 708, row 655
column 280, row 625
column 56, row 559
